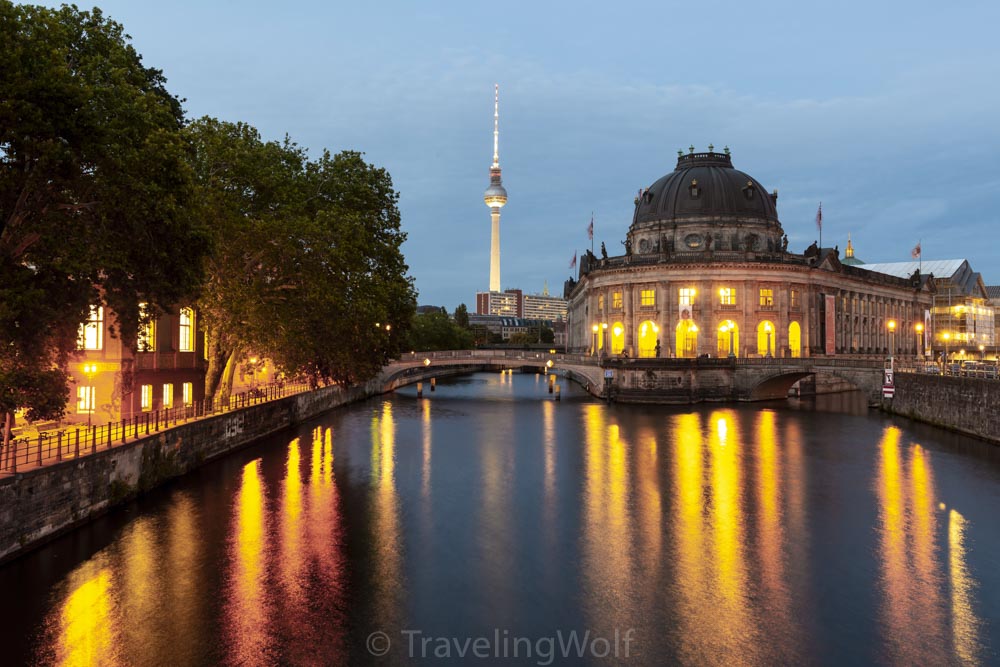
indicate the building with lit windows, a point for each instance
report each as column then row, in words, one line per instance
column 166, row 369
column 707, row 271
column 543, row 306
column 505, row 304
column 961, row 321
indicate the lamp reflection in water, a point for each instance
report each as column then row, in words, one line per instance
column 607, row 535
column 911, row 605
column 247, row 609
column 387, row 584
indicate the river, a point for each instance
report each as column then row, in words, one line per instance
column 487, row 522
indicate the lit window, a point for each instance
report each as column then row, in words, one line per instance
column 85, row 399
column 616, row 300
column 187, row 393
column 186, row 340
column 147, row 397
column 146, row 341
column 168, row 395
column 766, row 296
column 727, row 296
column 91, row 336
column 647, row 298
column 795, row 299
column 600, row 302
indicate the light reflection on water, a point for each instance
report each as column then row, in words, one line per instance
column 722, row 535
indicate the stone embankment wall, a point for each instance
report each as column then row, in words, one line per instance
column 41, row 503
column 967, row 405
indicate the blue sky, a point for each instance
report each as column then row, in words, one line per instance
column 887, row 112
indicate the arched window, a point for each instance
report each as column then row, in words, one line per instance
column 729, row 339
column 686, row 339
column 649, row 335
column 795, row 339
column 766, row 333
column 617, row 338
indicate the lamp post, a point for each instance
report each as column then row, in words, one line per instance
column 982, row 353
column 728, row 326
column 947, row 338
column 90, row 370
column 767, row 330
column 920, row 333
column 593, row 348
column 604, row 339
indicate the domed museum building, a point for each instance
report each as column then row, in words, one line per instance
column 707, row 271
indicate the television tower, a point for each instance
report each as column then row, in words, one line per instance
column 495, row 197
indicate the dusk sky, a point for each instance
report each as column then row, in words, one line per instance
column 888, row 113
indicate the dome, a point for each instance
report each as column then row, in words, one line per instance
column 705, row 185
column 705, row 204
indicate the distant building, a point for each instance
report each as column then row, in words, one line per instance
column 505, row 304
column 506, row 327
column 515, row 303
column 962, row 318
column 544, row 306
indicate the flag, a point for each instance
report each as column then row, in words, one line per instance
column 590, row 228
column 915, row 253
column 572, row 262
column 819, row 217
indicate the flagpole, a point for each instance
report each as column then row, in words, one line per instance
column 591, row 232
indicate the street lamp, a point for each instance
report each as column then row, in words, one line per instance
column 982, row 353
column 90, row 370
column 767, row 330
column 593, row 348
column 947, row 338
column 920, row 332
column 604, row 337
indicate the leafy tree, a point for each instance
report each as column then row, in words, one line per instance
column 308, row 269
column 436, row 331
column 462, row 316
column 95, row 194
column 548, row 335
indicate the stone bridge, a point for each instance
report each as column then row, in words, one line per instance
column 654, row 380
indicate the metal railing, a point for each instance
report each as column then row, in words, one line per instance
column 76, row 441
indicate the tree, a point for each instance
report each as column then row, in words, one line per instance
column 436, row 331
column 462, row 316
column 307, row 269
column 95, row 194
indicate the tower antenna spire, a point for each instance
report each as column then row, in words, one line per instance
column 496, row 126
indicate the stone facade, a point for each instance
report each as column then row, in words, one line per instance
column 718, row 280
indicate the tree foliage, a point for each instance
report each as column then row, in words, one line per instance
column 95, row 193
column 436, row 331
column 307, row 269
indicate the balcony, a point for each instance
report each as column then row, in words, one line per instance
column 165, row 361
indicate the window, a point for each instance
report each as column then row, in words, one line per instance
column 91, row 336
column 795, row 299
column 766, row 297
column 146, row 340
column 147, row 397
column 85, row 399
column 727, row 296
column 187, row 393
column 168, row 395
column 186, row 340
column 647, row 298
column 600, row 302
column 686, row 296
column 616, row 300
